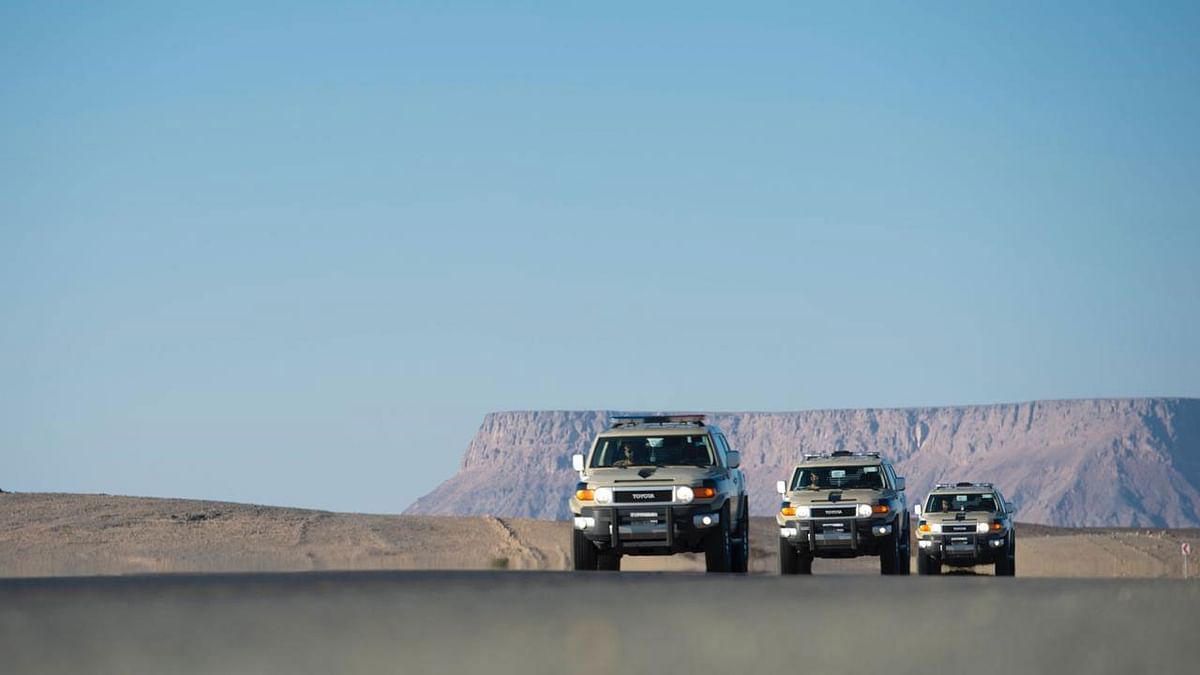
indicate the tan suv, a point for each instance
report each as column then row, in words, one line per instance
column 963, row 525
column 659, row 485
column 843, row 505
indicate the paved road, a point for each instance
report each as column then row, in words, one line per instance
column 550, row 622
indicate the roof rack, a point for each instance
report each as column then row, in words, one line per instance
column 942, row 486
column 839, row 453
column 619, row 421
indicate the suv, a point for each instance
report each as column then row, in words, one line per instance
column 843, row 505
column 659, row 485
column 966, row 524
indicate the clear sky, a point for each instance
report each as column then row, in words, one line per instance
column 291, row 253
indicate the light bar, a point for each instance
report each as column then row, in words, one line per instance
column 629, row 420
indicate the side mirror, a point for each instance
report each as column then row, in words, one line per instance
column 781, row 487
column 900, row 483
column 577, row 462
column 1010, row 507
column 917, row 510
column 733, row 458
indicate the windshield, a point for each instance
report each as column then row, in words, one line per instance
column 867, row 477
column 625, row 451
column 949, row 503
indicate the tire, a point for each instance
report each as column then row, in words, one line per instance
column 1007, row 566
column 927, row 565
column 718, row 553
column 608, row 561
column 889, row 558
column 905, row 563
column 789, row 559
column 740, row 553
column 584, row 556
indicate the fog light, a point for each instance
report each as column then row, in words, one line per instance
column 881, row 530
column 924, row 543
column 707, row 520
column 996, row 543
column 787, row 532
column 584, row 522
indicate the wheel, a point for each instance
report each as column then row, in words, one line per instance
column 889, row 557
column 789, row 558
column 584, row 555
column 740, row 553
column 1007, row 565
column 608, row 561
column 905, row 563
column 718, row 553
column 926, row 564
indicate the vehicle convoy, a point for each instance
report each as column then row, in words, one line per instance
column 843, row 505
column 659, row 485
column 963, row 525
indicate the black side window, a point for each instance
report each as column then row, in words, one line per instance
column 722, row 448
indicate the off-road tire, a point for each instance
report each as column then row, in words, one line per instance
column 584, row 555
column 718, row 553
column 889, row 557
column 927, row 565
column 740, row 553
column 905, row 563
column 608, row 561
column 1006, row 566
column 789, row 558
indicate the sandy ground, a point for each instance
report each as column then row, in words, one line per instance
column 70, row 534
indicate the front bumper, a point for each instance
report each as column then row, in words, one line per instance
column 964, row 549
column 648, row 530
column 838, row 538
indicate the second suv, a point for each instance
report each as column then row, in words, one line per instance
column 966, row 524
column 658, row 485
column 843, row 505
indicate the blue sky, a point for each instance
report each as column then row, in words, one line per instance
column 291, row 253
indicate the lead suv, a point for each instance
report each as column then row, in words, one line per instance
column 843, row 505
column 963, row 525
column 659, row 485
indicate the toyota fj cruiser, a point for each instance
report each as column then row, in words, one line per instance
column 843, row 505
column 963, row 525
column 659, row 485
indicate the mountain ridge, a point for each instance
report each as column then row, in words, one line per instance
column 1130, row 462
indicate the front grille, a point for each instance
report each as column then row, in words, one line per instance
column 642, row 496
column 642, row 516
column 840, row 511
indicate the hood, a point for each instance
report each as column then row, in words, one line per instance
column 649, row 475
column 824, row 497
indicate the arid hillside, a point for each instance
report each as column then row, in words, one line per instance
column 69, row 534
column 1098, row 463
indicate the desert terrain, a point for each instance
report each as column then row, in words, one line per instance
column 74, row 535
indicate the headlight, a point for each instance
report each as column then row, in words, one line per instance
column 603, row 495
column 684, row 494
column 864, row 510
column 936, row 527
column 981, row 528
column 803, row 512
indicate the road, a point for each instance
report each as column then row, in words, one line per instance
column 554, row 622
